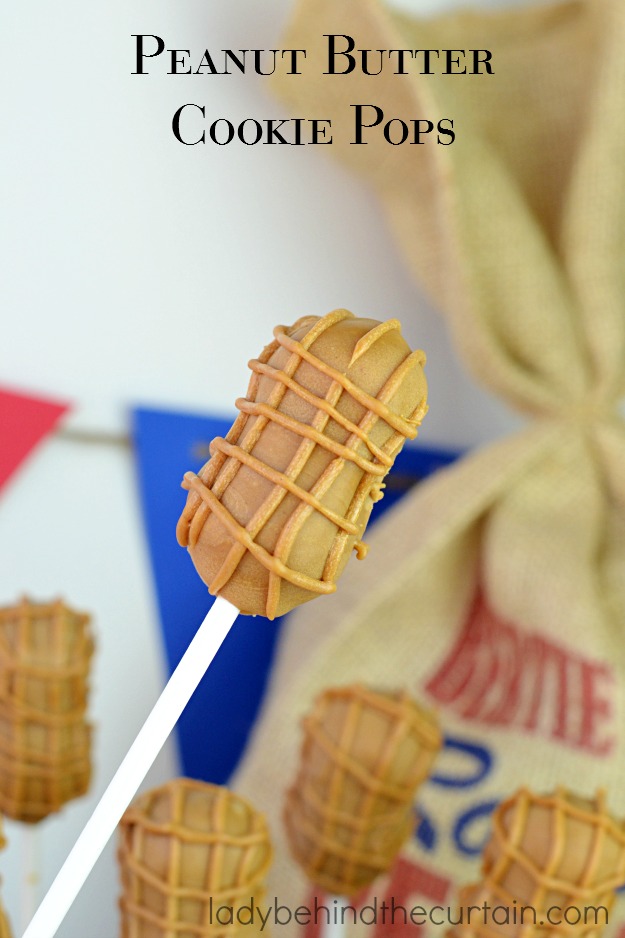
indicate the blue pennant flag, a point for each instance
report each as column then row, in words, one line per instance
column 216, row 724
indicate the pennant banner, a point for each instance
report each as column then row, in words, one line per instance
column 24, row 421
column 214, row 729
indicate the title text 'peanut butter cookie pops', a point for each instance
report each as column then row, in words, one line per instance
column 272, row 518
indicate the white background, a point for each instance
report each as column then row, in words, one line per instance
column 137, row 270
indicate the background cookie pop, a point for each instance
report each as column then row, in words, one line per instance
column 132, row 261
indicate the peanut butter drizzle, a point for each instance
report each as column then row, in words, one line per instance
column 325, row 826
column 283, row 544
column 393, row 444
column 266, row 510
column 214, row 843
column 222, row 446
column 263, row 556
column 364, row 490
column 197, row 510
column 364, row 344
column 321, row 404
column 509, row 844
column 38, row 780
column 372, row 790
column 195, row 513
column 408, row 428
column 256, row 408
column 511, row 850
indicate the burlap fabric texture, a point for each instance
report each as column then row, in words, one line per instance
column 499, row 586
column 558, row 857
column 45, row 736
column 186, row 851
column 349, row 809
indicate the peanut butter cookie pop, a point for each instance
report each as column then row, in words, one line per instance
column 45, row 738
column 553, row 856
column 193, row 859
column 45, row 735
column 350, row 808
column 271, row 519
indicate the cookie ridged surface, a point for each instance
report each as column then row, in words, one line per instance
column 350, row 808
column 274, row 515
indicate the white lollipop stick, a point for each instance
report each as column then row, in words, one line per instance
column 334, row 929
column 31, row 866
column 121, row 790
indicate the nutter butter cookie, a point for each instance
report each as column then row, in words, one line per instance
column 45, row 736
column 551, row 868
column 350, row 807
column 187, row 850
column 273, row 517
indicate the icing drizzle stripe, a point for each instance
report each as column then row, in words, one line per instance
column 256, row 408
column 269, row 561
column 322, row 404
column 279, row 478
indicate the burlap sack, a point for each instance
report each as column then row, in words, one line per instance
column 497, row 590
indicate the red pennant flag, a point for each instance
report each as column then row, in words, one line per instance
column 24, row 421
